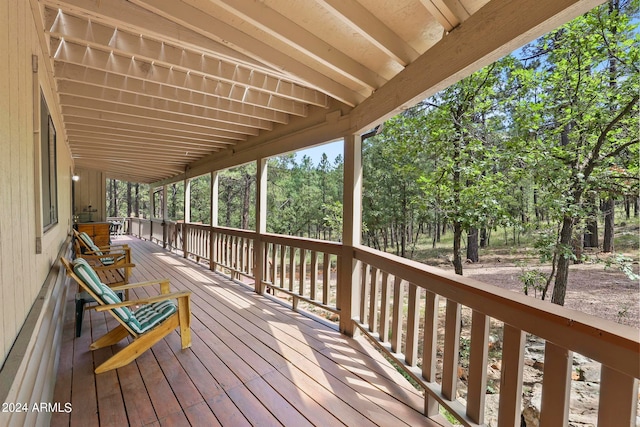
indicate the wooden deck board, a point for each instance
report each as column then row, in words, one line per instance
column 252, row 362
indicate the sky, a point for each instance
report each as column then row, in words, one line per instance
column 332, row 149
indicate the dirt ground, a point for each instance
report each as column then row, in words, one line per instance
column 608, row 294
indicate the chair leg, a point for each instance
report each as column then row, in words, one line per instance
column 113, row 336
column 79, row 315
column 138, row 346
column 184, row 314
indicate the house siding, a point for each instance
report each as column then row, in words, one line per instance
column 23, row 271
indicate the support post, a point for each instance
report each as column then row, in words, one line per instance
column 165, row 215
column 187, row 200
column 213, row 240
column 261, row 224
column 349, row 274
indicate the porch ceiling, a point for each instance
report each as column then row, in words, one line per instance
column 147, row 87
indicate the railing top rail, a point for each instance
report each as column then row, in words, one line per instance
column 588, row 335
column 305, row 243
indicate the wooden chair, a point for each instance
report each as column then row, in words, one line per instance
column 155, row 318
column 113, row 263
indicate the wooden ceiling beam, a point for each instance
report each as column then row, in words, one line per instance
column 153, row 115
column 145, row 103
column 183, row 97
column 497, row 29
column 153, row 139
column 147, row 121
column 268, row 21
column 137, row 20
column 371, row 28
column 133, row 128
column 208, row 91
column 108, row 38
column 215, row 29
column 131, row 141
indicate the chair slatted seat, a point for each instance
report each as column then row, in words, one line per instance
column 155, row 318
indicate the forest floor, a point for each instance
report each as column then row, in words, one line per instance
column 591, row 289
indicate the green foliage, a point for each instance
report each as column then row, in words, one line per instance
column 622, row 263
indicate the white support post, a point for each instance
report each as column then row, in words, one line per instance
column 261, row 224
column 213, row 241
column 187, row 200
column 349, row 275
column 214, row 198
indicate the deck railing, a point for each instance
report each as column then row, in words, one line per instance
column 414, row 314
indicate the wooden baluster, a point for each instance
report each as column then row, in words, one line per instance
column 303, row 271
column 365, row 292
column 326, row 276
column 292, row 259
column 413, row 318
column 511, row 376
column 274, row 250
column 451, row 350
column 397, row 317
column 618, row 398
column 314, row 275
column 478, row 356
column 283, row 268
column 556, row 385
column 213, row 250
column 385, row 303
column 430, row 350
column 373, row 303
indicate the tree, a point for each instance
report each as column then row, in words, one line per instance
column 582, row 125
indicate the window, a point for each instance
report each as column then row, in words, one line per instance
column 48, row 165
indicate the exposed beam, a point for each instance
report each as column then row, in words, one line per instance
column 443, row 12
column 109, row 38
column 143, row 145
column 495, row 30
column 371, row 28
column 293, row 36
column 145, row 103
column 154, row 132
column 152, row 117
column 153, row 139
column 87, row 115
column 125, row 15
column 194, row 19
column 210, row 92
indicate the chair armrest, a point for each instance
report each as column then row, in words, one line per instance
column 162, row 282
column 116, row 266
column 173, row 295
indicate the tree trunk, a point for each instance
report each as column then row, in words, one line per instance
column 457, row 237
column 472, row 245
column 129, row 201
column 562, row 275
column 609, row 211
column 136, row 205
column 246, row 199
column 591, row 233
column 483, row 237
column 627, row 207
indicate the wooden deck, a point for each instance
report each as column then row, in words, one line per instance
column 252, row 362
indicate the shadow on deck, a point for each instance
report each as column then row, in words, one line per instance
column 252, row 362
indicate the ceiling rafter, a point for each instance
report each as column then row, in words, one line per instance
column 110, row 39
column 147, row 103
column 183, row 97
column 449, row 13
column 164, row 89
column 137, row 20
column 150, row 114
column 179, row 135
column 370, row 27
column 165, row 145
column 123, row 117
column 270, row 22
column 205, row 24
